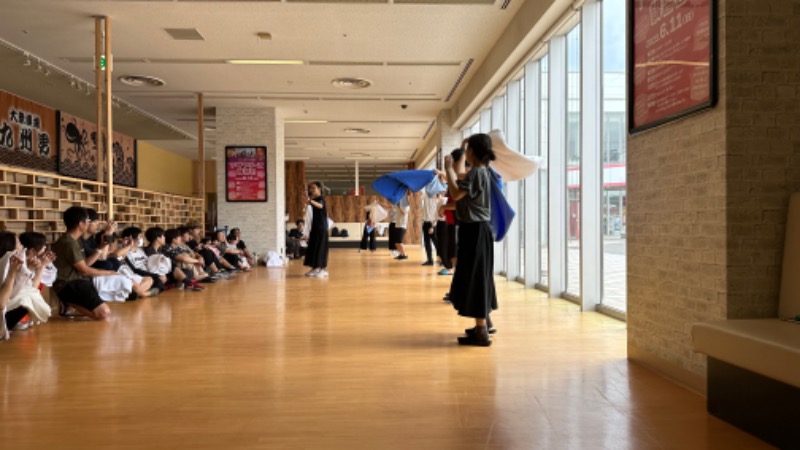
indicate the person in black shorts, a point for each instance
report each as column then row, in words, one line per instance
column 73, row 284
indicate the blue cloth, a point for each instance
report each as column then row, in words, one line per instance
column 394, row 185
column 436, row 186
column 502, row 213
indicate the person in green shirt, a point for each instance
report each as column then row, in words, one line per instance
column 73, row 284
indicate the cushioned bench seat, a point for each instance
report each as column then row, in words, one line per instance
column 770, row 347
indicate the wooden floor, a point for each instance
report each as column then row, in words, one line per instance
column 364, row 360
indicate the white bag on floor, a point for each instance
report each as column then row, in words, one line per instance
column 274, row 260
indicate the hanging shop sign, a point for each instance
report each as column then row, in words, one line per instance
column 27, row 134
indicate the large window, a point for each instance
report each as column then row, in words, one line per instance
column 573, row 209
column 578, row 127
column 614, row 139
column 544, row 114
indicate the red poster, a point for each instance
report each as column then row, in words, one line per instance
column 672, row 54
column 246, row 174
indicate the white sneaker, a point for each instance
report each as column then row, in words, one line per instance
column 394, row 253
column 312, row 273
column 322, row 274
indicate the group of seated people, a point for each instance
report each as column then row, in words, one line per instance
column 88, row 267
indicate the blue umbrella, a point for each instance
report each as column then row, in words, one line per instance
column 394, row 185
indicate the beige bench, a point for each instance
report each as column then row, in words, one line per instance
column 754, row 365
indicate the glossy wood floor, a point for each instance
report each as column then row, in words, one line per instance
column 364, row 360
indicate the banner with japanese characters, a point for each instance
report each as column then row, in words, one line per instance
column 77, row 156
column 246, row 174
column 27, row 134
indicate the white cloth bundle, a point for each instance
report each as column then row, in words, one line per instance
column 159, row 264
column 510, row 164
column 376, row 212
column 113, row 288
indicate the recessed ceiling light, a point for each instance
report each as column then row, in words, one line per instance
column 141, row 80
column 351, row 83
column 357, row 130
column 305, row 121
column 266, row 61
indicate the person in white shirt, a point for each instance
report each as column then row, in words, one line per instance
column 401, row 210
column 136, row 258
column 430, row 209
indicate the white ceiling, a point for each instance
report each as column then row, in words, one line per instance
column 413, row 54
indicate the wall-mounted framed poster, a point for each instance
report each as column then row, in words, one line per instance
column 245, row 173
column 672, row 60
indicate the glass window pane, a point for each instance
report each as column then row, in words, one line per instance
column 573, row 161
column 543, row 177
column 614, row 140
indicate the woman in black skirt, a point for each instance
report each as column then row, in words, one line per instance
column 317, row 250
column 472, row 291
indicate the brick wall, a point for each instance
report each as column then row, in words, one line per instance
column 262, row 224
column 676, row 231
column 708, row 194
column 763, row 151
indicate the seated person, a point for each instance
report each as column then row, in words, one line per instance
column 73, row 286
column 95, row 244
column 155, row 240
column 21, row 267
column 136, row 259
column 251, row 257
column 191, row 244
column 183, row 259
column 230, row 252
column 297, row 242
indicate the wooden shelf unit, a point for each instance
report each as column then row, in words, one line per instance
column 35, row 201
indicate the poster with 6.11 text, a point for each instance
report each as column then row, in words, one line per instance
column 246, row 173
column 672, row 61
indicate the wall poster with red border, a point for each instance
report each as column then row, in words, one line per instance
column 672, row 67
column 246, row 173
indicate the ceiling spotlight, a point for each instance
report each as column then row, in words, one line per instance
column 351, row 83
column 27, row 60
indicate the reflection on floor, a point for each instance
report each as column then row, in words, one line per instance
column 366, row 359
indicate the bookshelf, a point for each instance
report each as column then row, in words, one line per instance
column 35, row 201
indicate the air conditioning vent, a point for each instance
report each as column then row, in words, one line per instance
column 184, row 34
column 459, row 80
column 351, row 83
column 142, row 80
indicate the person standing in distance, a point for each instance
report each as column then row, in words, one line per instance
column 317, row 250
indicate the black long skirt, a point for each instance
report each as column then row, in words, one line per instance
column 472, row 291
column 317, row 250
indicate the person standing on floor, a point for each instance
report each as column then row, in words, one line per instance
column 472, row 291
column 392, row 233
column 401, row 210
column 317, row 250
column 430, row 210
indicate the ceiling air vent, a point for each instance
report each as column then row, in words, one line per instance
column 351, row 83
column 459, row 80
column 357, row 130
column 184, row 34
column 428, row 131
column 141, row 80
column 505, row 4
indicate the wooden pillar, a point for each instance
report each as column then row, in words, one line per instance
column 98, row 82
column 201, row 157
column 110, row 132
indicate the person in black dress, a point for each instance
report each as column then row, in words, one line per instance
column 317, row 250
column 472, row 291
